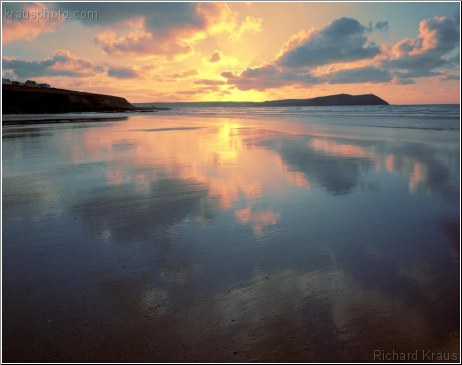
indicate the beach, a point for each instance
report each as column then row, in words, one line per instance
column 233, row 235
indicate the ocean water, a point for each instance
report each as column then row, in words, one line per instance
column 391, row 116
column 232, row 234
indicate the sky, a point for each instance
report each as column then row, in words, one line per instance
column 406, row 53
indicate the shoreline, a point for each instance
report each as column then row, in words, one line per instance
column 36, row 118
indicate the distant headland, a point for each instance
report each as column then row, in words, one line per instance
column 330, row 100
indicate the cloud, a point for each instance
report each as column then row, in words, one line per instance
column 400, row 80
column 209, row 82
column 161, row 29
column 205, row 89
column 451, row 77
column 140, row 42
column 122, row 72
column 184, row 74
column 313, row 158
column 20, row 22
column 359, row 75
column 159, row 16
column 158, row 29
column 134, row 29
column 269, row 76
column 215, row 57
column 381, row 26
column 422, row 56
column 274, row 76
column 258, row 220
column 312, row 57
column 344, row 40
column 62, row 63
column 186, row 198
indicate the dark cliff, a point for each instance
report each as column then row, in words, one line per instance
column 331, row 100
column 21, row 99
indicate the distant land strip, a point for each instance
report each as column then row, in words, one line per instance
column 30, row 100
column 330, row 100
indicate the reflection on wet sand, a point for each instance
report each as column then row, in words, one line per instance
column 142, row 241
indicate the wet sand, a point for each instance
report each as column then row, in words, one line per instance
column 182, row 239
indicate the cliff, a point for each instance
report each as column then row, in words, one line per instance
column 331, row 100
column 21, row 99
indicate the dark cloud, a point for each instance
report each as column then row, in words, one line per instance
column 122, row 72
column 343, row 40
column 381, row 26
column 451, row 77
column 455, row 60
column 24, row 69
column 62, row 63
column 402, row 80
column 159, row 16
column 358, row 75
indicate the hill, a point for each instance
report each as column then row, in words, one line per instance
column 331, row 100
column 23, row 99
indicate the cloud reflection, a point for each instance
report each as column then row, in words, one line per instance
column 168, row 221
column 130, row 215
column 259, row 220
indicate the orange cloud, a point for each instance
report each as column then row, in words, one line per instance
column 258, row 220
column 31, row 27
column 141, row 43
column 149, row 39
column 150, row 36
column 427, row 40
column 338, row 149
column 65, row 60
column 184, row 74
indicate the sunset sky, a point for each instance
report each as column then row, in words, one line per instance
column 406, row 53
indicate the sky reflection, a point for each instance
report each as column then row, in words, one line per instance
column 244, row 240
